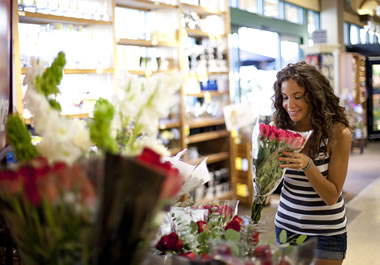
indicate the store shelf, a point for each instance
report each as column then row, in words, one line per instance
column 211, row 158
column 201, row 137
column 201, row 34
column 37, row 18
column 174, row 150
column 70, row 116
column 205, row 122
column 218, row 73
column 202, row 11
column 146, row 43
column 226, row 196
column 80, row 71
column 148, row 73
column 206, row 94
column 142, row 5
column 167, row 124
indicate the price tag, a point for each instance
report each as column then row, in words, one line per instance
column 238, row 163
column 207, row 97
column 241, row 189
column 234, row 133
column 187, row 130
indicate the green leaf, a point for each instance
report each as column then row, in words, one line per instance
column 232, row 235
column 203, row 237
column 234, row 249
column 100, row 126
column 301, row 239
column 20, row 139
column 283, row 237
column 194, row 227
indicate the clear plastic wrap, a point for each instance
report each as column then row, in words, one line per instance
column 268, row 143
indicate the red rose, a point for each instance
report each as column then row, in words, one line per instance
column 237, row 219
column 202, row 226
column 235, row 225
column 226, row 210
column 205, row 256
column 255, row 237
column 263, row 252
column 173, row 180
column 169, row 242
column 29, row 177
column 189, row 255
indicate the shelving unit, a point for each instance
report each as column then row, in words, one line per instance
column 50, row 29
column 146, row 49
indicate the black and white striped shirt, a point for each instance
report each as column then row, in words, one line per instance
column 301, row 209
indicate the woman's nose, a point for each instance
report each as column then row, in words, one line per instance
column 291, row 102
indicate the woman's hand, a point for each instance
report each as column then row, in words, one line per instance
column 295, row 161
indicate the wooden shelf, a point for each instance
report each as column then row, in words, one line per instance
column 167, row 124
column 80, row 71
column 146, row 43
column 218, row 73
column 201, row 34
column 146, row 73
column 37, row 18
column 174, row 150
column 204, row 94
column 205, row 122
column 211, row 158
column 70, row 116
column 202, row 11
column 201, row 137
column 144, row 5
column 226, row 196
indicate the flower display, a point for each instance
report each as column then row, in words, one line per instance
column 214, row 233
column 89, row 192
column 268, row 143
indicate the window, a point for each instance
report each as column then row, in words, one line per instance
column 271, row 8
column 354, row 34
column 249, row 5
column 312, row 24
column 363, row 36
column 293, row 13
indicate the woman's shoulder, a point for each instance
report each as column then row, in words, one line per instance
column 340, row 130
column 341, row 136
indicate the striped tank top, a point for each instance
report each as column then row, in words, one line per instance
column 301, row 209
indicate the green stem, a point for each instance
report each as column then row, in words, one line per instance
column 257, row 206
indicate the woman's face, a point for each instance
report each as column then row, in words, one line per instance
column 293, row 101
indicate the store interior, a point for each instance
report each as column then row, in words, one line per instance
column 229, row 52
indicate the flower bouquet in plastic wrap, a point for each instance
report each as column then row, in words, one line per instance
column 268, row 143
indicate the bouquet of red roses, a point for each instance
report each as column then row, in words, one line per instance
column 268, row 142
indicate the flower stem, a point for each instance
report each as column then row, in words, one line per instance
column 257, row 206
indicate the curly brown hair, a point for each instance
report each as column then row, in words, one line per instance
column 325, row 110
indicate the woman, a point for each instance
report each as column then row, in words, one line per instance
column 311, row 200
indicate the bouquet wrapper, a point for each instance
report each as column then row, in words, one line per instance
column 130, row 195
column 194, row 175
column 268, row 142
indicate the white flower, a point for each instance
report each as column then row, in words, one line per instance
column 152, row 143
column 31, row 73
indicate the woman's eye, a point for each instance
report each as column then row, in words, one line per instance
column 298, row 97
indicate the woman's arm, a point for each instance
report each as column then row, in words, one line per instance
column 328, row 188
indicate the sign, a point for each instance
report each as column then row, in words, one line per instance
column 319, row 36
column 238, row 115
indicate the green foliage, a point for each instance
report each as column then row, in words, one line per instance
column 47, row 84
column 20, row 139
column 100, row 126
column 232, row 235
